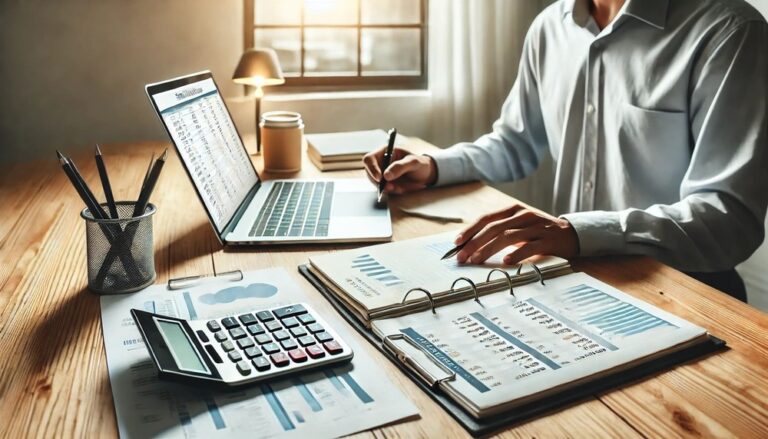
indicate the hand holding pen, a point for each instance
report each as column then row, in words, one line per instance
column 405, row 172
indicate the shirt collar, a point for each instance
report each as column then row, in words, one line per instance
column 653, row 12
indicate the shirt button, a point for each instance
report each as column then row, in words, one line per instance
column 588, row 185
column 590, row 108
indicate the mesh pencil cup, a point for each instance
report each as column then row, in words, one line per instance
column 121, row 256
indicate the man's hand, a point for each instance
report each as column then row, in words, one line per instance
column 533, row 233
column 406, row 172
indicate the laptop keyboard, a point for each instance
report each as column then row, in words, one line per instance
column 295, row 209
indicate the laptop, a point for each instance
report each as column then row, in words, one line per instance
column 241, row 207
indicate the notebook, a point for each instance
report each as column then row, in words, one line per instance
column 345, row 150
column 492, row 340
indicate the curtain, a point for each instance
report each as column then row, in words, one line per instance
column 474, row 52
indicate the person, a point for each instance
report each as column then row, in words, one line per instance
column 655, row 113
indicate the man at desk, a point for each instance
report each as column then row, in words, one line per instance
column 656, row 115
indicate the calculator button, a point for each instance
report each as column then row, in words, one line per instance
column 289, row 344
column 247, row 319
column 255, row 329
column 306, row 340
column 322, row 337
column 229, row 322
column 244, row 368
column 228, row 346
column 252, row 352
column 333, row 347
column 213, row 326
column 263, row 339
column 220, row 336
column 290, row 322
column 315, row 352
column 306, row 319
column 265, row 316
column 270, row 348
column 273, row 326
column 315, row 327
column 235, row 356
column 213, row 354
column 261, row 364
column 237, row 333
column 201, row 335
column 298, row 355
column 281, row 335
column 280, row 359
column 289, row 311
column 245, row 343
column 298, row 332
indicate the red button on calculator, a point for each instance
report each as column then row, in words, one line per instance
column 315, row 351
column 333, row 347
column 280, row 359
column 297, row 355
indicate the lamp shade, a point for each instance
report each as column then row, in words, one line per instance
column 258, row 67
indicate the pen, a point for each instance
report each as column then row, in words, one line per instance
column 106, row 186
column 454, row 251
column 149, row 186
column 386, row 160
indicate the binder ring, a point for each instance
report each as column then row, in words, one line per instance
column 429, row 296
column 538, row 273
column 509, row 279
column 472, row 284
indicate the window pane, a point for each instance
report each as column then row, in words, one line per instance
column 277, row 12
column 330, row 52
column 391, row 52
column 330, row 11
column 287, row 44
column 390, row 11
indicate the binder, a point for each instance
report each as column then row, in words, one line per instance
column 476, row 427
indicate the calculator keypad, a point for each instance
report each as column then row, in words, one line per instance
column 263, row 342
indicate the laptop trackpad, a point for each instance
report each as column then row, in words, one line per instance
column 357, row 204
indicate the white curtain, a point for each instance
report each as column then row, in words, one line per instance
column 474, row 51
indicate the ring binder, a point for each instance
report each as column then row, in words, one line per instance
column 188, row 281
column 509, row 279
column 431, row 380
column 538, row 272
column 429, row 296
column 472, row 284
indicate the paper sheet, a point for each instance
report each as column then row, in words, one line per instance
column 329, row 403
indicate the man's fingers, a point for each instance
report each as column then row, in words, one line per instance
column 527, row 250
column 400, row 167
column 371, row 161
column 502, row 241
column 484, row 220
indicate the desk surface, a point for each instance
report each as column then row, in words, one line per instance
column 53, row 372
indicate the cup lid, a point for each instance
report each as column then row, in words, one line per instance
column 281, row 119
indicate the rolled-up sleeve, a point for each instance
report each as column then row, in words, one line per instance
column 517, row 143
column 719, row 219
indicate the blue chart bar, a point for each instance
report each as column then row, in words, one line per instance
column 190, row 306
column 313, row 403
column 515, row 341
column 335, row 381
column 213, row 410
column 573, row 325
column 149, row 306
column 277, row 407
column 609, row 314
column 362, row 394
column 370, row 267
column 299, row 417
column 444, row 359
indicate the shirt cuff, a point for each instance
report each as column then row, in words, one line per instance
column 599, row 232
column 450, row 166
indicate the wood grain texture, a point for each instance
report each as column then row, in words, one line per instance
column 53, row 375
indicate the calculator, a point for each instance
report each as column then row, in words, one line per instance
column 251, row 347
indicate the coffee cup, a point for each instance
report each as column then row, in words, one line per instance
column 281, row 139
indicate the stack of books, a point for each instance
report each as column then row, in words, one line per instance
column 337, row 151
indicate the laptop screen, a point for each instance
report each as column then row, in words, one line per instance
column 205, row 136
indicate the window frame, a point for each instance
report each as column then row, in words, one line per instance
column 346, row 82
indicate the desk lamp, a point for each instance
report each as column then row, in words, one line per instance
column 258, row 68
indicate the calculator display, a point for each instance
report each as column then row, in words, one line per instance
column 181, row 348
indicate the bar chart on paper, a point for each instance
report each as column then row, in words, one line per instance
column 372, row 268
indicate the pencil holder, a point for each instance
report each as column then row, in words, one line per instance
column 121, row 256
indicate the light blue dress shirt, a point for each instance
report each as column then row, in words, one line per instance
column 658, row 126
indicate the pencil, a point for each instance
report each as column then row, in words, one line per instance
column 106, row 186
column 149, row 186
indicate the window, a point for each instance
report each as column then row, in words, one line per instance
column 343, row 43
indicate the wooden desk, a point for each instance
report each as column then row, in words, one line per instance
column 53, row 374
